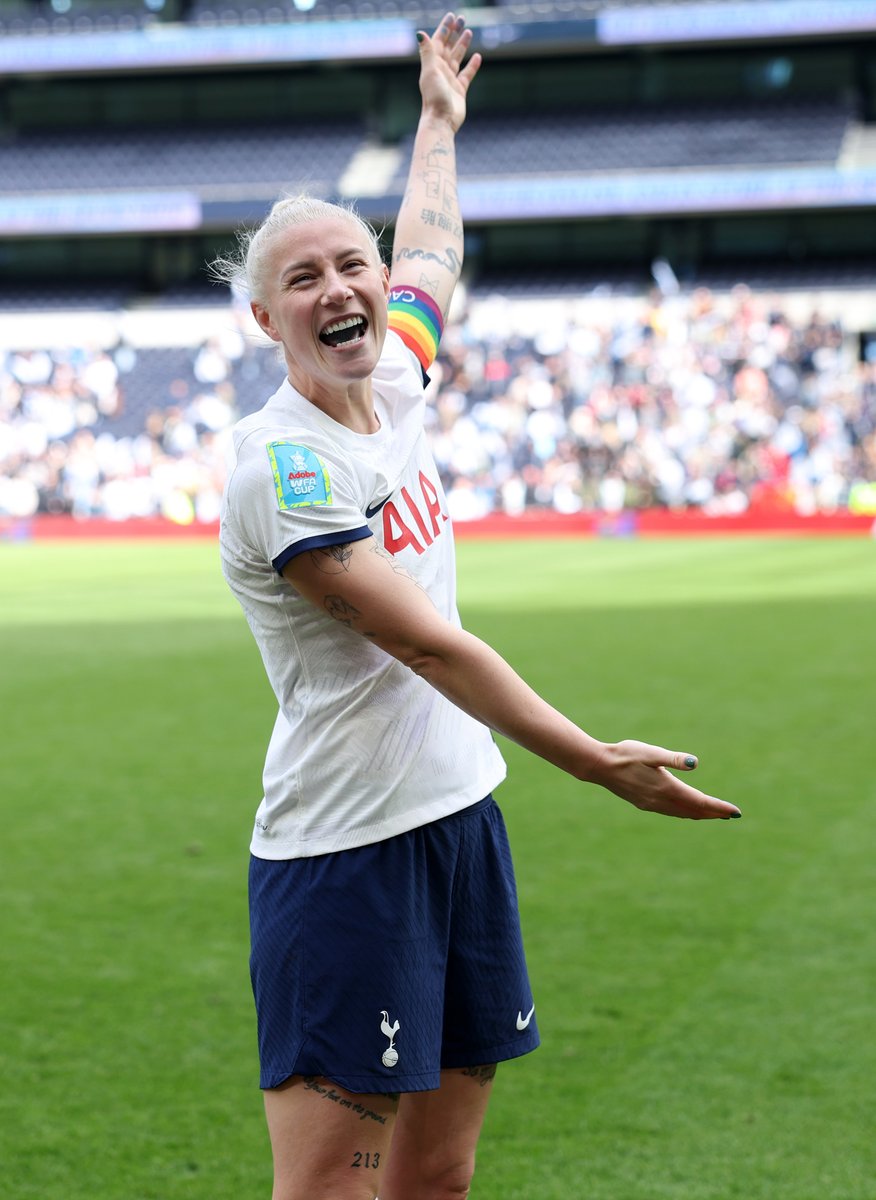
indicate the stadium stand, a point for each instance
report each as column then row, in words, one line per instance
column 255, row 11
column 717, row 402
column 566, row 383
column 209, row 12
column 41, row 17
column 44, row 20
column 316, row 154
column 262, row 158
column 671, row 136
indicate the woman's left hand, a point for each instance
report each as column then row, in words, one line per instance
column 444, row 81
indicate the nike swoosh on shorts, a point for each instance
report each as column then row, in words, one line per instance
column 522, row 1021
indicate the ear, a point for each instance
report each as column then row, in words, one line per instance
column 385, row 272
column 263, row 317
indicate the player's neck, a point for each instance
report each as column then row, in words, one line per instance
column 351, row 405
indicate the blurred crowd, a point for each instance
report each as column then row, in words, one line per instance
column 723, row 403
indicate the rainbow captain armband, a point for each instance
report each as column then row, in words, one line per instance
column 417, row 320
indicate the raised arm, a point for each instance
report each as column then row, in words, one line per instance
column 428, row 244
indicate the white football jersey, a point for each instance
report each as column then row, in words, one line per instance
column 362, row 748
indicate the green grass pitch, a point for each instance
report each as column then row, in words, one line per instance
column 704, row 991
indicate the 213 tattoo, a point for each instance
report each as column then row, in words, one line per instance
column 364, row 1158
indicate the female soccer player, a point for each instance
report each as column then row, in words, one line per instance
column 387, row 964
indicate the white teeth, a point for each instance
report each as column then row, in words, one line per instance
column 339, row 325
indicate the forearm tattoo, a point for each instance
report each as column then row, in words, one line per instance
column 430, row 217
column 436, row 182
column 449, row 260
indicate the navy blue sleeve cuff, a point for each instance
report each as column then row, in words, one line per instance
column 319, row 543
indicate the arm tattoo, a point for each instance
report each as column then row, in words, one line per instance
column 450, row 262
column 332, row 559
column 376, row 548
column 433, row 158
column 341, row 610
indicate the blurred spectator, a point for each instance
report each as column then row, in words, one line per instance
column 721, row 403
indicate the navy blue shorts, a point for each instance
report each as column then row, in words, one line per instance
column 378, row 967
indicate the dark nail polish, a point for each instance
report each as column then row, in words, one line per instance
column 690, row 762
column 737, row 814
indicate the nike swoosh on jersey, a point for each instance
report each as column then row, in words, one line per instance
column 373, row 509
column 522, row 1021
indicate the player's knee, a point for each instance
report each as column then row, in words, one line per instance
column 327, row 1187
column 447, row 1181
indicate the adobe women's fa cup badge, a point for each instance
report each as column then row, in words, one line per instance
column 301, row 478
column 389, row 1058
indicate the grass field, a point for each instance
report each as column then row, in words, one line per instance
column 705, row 992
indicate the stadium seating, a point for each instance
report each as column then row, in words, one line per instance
column 273, row 155
column 247, row 12
column 264, row 156
column 126, row 15
column 593, row 400
column 224, row 12
column 719, row 399
column 620, row 139
column 31, row 21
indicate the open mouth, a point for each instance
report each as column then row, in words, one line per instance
column 344, row 332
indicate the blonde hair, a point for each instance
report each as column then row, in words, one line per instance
column 246, row 268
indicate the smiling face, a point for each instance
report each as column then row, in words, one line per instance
column 325, row 299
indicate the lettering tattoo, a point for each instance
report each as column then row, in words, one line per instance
column 483, row 1075
column 430, row 217
column 312, row 1084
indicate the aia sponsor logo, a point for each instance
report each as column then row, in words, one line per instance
column 413, row 521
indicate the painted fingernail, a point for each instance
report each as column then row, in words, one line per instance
column 735, row 816
column 690, row 761
column 421, row 37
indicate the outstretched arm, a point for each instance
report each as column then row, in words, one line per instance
column 428, row 243
column 360, row 586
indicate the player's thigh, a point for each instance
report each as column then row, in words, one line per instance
column 327, row 1143
column 436, row 1136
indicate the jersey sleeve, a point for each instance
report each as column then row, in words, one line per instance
column 293, row 494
